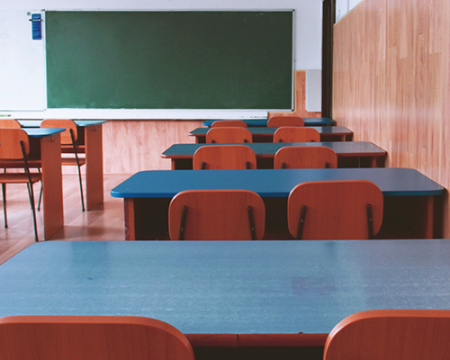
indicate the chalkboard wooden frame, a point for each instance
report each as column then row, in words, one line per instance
column 170, row 59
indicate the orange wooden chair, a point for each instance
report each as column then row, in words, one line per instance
column 292, row 134
column 230, row 135
column 332, row 210
column 14, row 146
column 278, row 121
column 68, row 137
column 225, row 157
column 9, row 123
column 228, row 123
column 305, row 157
column 216, row 215
column 91, row 337
column 391, row 335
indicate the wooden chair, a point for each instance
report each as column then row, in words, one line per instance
column 230, row 135
column 14, row 146
column 329, row 210
column 305, row 157
column 228, row 123
column 291, row 134
column 91, row 337
column 225, row 157
column 391, row 335
column 216, row 215
column 278, row 121
column 68, row 137
column 9, row 123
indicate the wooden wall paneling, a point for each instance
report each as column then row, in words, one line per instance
column 299, row 98
column 130, row 146
column 391, row 82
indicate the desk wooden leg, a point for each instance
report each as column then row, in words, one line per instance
column 129, row 215
column 429, row 214
column 94, row 166
column 52, row 185
column 373, row 162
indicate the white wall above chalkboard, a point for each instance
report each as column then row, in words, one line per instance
column 22, row 74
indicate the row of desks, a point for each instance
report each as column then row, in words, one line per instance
column 47, row 142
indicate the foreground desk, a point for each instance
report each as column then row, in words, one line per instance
column 265, row 134
column 45, row 147
column 365, row 153
column 90, row 141
column 226, row 293
column 409, row 196
column 320, row 121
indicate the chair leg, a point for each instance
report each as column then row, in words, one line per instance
column 301, row 223
column 183, row 222
column 40, row 194
column 4, row 205
column 251, row 220
column 31, row 195
column 370, row 220
column 81, row 186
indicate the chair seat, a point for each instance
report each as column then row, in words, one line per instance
column 14, row 164
column 18, row 178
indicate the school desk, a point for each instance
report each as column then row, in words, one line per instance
column 320, row 121
column 265, row 134
column 409, row 196
column 45, row 148
column 370, row 155
column 229, row 293
column 91, row 143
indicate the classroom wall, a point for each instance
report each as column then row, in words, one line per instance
column 391, row 82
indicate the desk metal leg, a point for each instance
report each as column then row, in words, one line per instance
column 94, row 166
column 52, row 185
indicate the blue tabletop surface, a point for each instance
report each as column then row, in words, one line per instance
column 269, row 182
column 269, row 148
column 81, row 123
column 40, row 132
column 329, row 130
column 228, row 287
column 320, row 121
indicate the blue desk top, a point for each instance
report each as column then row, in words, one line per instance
column 320, row 121
column 340, row 147
column 227, row 287
column 326, row 130
column 81, row 123
column 269, row 182
column 38, row 132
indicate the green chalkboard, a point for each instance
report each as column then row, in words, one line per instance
column 169, row 60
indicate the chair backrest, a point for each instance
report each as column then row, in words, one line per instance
column 67, row 124
column 91, row 337
column 277, row 121
column 225, row 157
column 229, row 123
column 9, row 123
column 305, row 157
column 334, row 210
column 10, row 143
column 230, row 135
column 216, row 215
column 391, row 335
column 296, row 134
